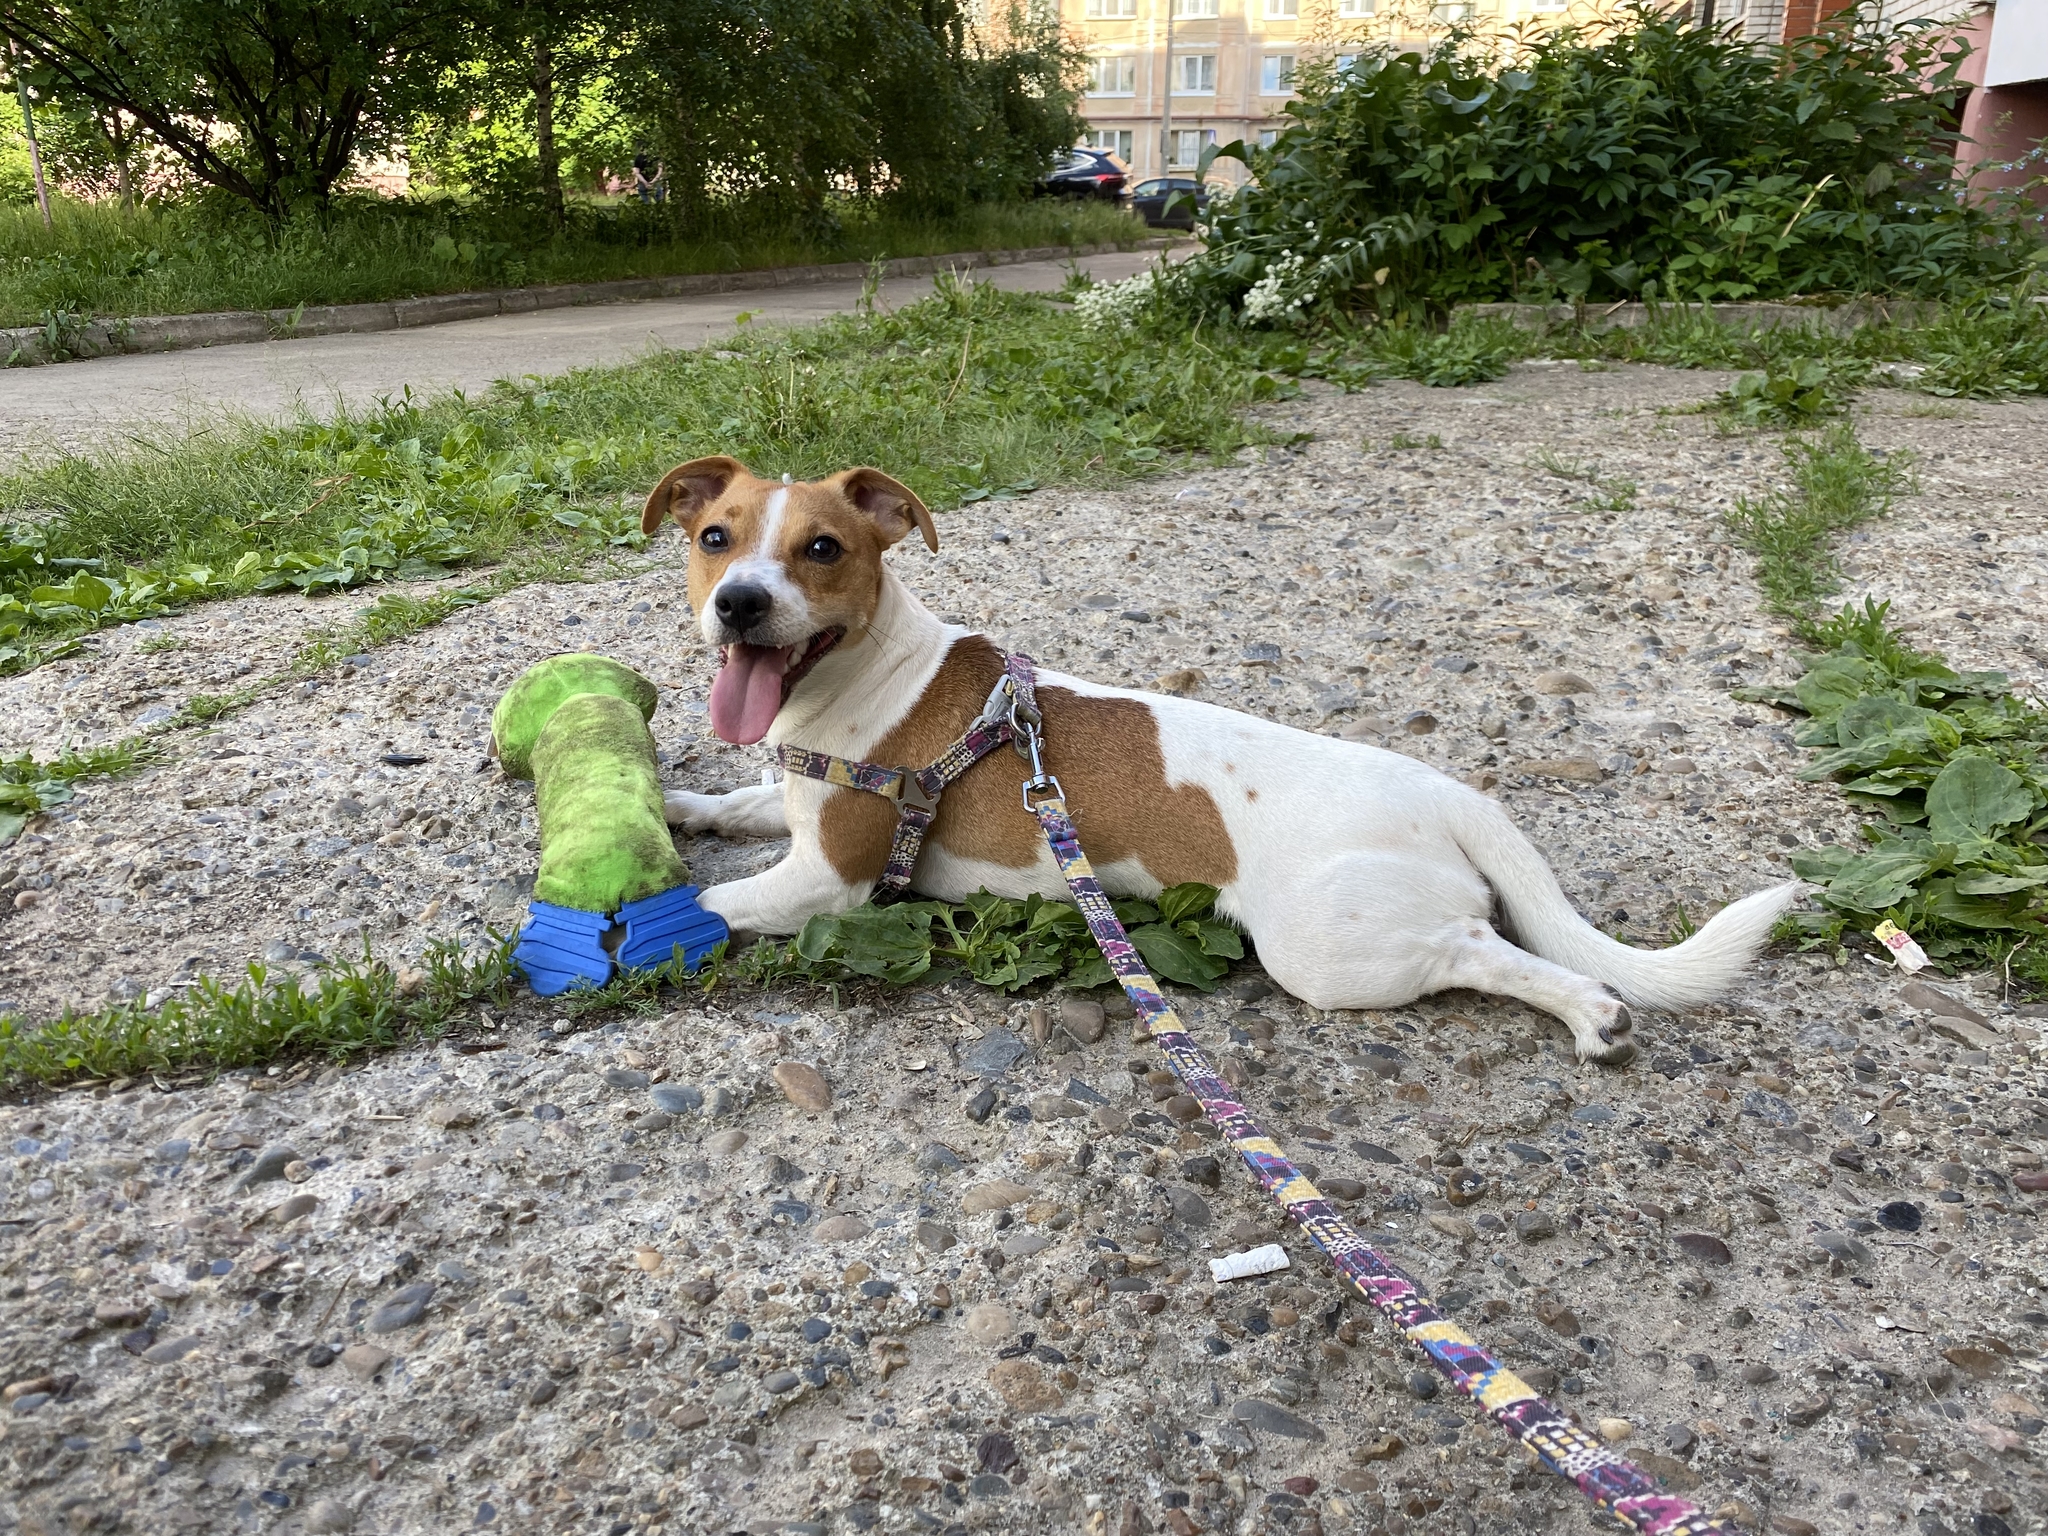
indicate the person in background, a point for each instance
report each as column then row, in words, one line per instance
column 650, row 178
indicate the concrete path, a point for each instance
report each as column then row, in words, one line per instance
column 95, row 404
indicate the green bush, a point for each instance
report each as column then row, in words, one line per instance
column 1659, row 161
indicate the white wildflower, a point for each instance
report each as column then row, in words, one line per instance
column 1114, row 306
column 1280, row 296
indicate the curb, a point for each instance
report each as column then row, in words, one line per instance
column 1840, row 318
column 32, row 344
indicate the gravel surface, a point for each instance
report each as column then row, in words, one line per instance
column 657, row 1276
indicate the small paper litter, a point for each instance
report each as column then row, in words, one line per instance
column 1253, row 1261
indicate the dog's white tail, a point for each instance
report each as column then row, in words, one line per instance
column 1704, row 967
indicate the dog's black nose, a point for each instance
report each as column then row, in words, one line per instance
column 741, row 605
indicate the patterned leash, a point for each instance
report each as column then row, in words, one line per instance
column 1611, row 1481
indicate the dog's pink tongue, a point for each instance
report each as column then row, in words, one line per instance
column 747, row 694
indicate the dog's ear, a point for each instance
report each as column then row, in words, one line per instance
column 889, row 504
column 688, row 487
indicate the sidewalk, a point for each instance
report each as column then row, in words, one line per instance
column 78, row 406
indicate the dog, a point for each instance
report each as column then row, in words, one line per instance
column 1364, row 878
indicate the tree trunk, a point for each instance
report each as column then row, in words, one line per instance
column 544, row 132
column 122, row 143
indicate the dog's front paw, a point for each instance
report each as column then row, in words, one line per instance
column 692, row 813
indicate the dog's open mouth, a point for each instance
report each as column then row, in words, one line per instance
column 754, row 680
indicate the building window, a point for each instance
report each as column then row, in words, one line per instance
column 1115, row 141
column 1195, row 10
column 1345, row 61
column 1188, row 144
column 1452, row 11
column 1352, row 9
column 1546, row 5
column 1267, row 136
column 1282, row 10
column 1276, row 74
column 1113, row 77
column 1718, row 13
column 1196, row 75
column 1108, row 10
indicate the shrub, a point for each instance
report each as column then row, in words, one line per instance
column 1658, row 160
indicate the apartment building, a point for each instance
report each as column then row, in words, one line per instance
column 1230, row 72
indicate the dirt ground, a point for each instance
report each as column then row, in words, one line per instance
column 616, row 1281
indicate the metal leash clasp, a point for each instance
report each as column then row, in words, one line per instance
column 1026, row 725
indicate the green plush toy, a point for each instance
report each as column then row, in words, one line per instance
column 577, row 727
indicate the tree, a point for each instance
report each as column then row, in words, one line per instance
column 268, row 100
column 785, row 102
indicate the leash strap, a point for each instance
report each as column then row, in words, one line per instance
column 1012, row 703
column 1609, row 1480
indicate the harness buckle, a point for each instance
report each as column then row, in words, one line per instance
column 997, row 709
column 912, row 795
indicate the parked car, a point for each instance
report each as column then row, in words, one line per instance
column 1170, row 202
column 1085, row 173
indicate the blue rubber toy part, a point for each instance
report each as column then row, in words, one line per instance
column 561, row 948
column 656, row 926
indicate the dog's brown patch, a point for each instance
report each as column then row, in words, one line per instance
column 1105, row 753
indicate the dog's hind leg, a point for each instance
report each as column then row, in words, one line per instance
column 1378, row 930
column 1481, row 959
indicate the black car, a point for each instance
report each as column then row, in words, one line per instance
column 1084, row 173
column 1188, row 198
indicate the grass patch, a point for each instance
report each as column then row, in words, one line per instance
column 969, row 394
column 1991, row 347
column 340, row 1011
column 1836, row 483
column 346, row 1009
column 28, row 786
column 99, row 260
column 1954, row 767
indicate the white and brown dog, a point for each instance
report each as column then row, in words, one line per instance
column 1365, row 879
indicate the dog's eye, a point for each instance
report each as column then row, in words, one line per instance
column 824, row 549
column 714, row 540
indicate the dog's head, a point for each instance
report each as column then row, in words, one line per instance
column 780, row 573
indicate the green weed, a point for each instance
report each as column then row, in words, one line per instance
column 1799, row 395
column 28, row 786
column 1615, row 495
column 1836, row 484
column 1954, row 766
column 1550, row 461
column 999, row 943
column 1470, row 352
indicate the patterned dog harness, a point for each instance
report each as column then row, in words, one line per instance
column 1611, row 1481
column 1010, row 715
